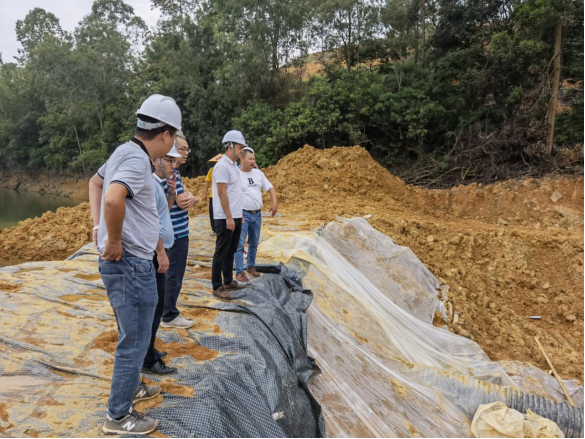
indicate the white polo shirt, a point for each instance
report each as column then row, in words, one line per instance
column 226, row 171
column 252, row 184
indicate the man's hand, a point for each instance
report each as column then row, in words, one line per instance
column 230, row 224
column 112, row 251
column 95, row 243
column 273, row 209
column 163, row 262
column 187, row 202
column 172, row 185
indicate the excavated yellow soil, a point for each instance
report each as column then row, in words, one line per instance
column 508, row 251
column 53, row 236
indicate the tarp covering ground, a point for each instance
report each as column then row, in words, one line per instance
column 387, row 370
column 243, row 368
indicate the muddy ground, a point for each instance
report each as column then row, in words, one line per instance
column 508, row 251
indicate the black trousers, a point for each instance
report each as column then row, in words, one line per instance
column 211, row 220
column 226, row 245
column 152, row 355
column 177, row 264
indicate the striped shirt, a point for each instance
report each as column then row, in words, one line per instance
column 179, row 217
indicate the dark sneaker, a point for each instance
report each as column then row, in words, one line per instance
column 234, row 285
column 145, row 392
column 133, row 423
column 159, row 368
column 162, row 354
column 252, row 272
column 221, row 293
column 242, row 277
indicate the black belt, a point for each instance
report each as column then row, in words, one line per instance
column 252, row 212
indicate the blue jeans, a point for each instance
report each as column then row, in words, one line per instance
column 251, row 230
column 177, row 255
column 131, row 287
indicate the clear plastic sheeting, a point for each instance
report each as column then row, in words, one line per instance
column 387, row 371
column 384, row 263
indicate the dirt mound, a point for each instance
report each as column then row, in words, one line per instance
column 54, row 236
column 342, row 181
column 195, row 186
column 549, row 202
column 337, row 181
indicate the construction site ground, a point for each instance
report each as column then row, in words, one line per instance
column 508, row 251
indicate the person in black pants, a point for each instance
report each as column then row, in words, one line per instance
column 180, row 201
column 153, row 362
column 223, row 258
column 227, row 212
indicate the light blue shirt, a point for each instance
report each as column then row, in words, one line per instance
column 164, row 216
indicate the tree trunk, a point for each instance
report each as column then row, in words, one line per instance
column 349, row 42
column 423, row 33
column 79, row 144
column 552, row 106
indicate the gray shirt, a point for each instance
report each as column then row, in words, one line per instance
column 166, row 233
column 131, row 167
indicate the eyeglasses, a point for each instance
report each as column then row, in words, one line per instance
column 182, row 150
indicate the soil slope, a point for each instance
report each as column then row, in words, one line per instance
column 509, row 251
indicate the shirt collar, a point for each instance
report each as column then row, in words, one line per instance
column 230, row 161
column 143, row 148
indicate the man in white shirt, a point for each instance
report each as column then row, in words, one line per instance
column 253, row 182
column 227, row 213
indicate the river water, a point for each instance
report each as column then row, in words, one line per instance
column 16, row 206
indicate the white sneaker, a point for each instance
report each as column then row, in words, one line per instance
column 178, row 322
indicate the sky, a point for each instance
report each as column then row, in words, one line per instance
column 69, row 13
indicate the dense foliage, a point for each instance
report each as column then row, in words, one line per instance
column 444, row 87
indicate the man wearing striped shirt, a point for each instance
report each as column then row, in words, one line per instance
column 180, row 201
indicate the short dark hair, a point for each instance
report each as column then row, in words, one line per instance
column 141, row 133
column 245, row 152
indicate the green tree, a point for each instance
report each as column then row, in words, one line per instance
column 349, row 24
column 37, row 24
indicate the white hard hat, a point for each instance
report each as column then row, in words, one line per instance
column 234, row 136
column 174, row 152
column 161, row 108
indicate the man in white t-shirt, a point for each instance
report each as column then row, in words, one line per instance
column 227, row 213
column 253, row 182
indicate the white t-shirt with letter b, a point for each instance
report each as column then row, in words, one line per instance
column 252, row 184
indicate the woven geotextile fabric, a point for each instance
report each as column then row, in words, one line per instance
column 242, row 369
